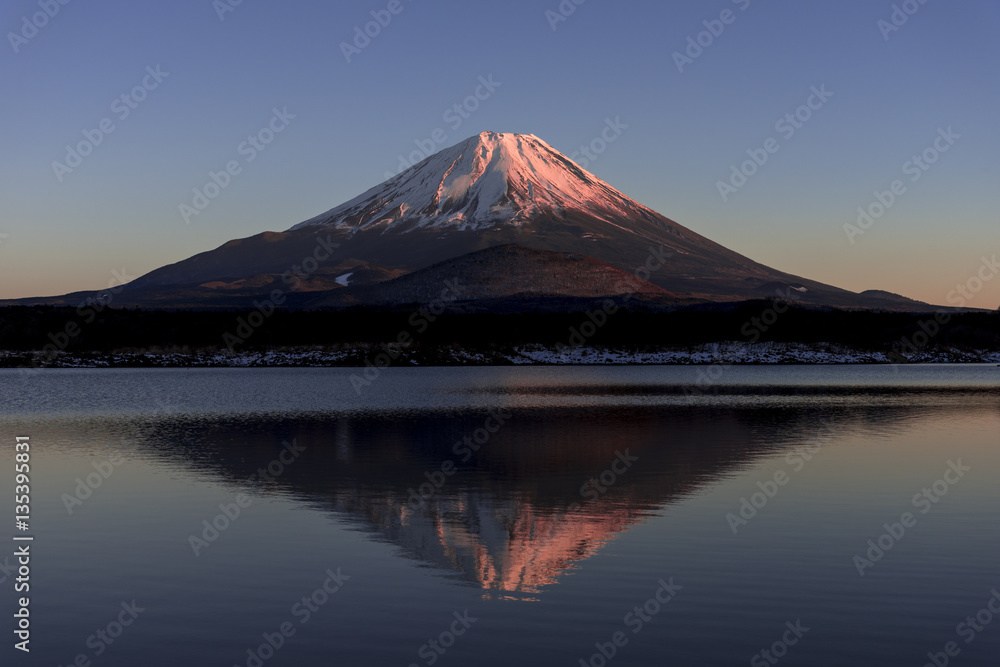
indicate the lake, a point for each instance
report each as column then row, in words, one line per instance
column 801, row 515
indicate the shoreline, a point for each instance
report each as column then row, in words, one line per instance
column 362, row 356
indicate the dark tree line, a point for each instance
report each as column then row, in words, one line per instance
column 49, row 328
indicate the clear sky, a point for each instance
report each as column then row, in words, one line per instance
column 218, row 80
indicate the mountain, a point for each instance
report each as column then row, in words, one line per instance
column 491, row 180
column 512, row 521
column 502, row 272
column 490, row 190
column 519, row 517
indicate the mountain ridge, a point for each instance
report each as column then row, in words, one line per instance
column 492, row 189
column 487, row 179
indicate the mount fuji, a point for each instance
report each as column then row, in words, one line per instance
column 491, row 180
column 475, row 200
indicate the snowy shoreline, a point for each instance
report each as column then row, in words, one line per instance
column 731, row 353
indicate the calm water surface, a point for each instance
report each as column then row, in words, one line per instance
column 500, row 516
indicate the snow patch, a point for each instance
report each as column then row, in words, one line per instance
column 488, row 180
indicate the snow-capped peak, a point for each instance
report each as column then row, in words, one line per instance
column 489, row 180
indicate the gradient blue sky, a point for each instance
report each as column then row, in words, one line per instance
column 119, row 208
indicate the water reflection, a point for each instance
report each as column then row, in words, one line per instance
column 547, row 490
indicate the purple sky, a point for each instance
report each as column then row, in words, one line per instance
column 161, row 96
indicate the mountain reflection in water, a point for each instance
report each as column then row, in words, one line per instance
column 549, row 489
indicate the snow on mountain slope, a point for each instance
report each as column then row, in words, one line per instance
column 489, row 180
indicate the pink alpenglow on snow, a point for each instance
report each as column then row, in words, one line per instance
column 492, row 179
